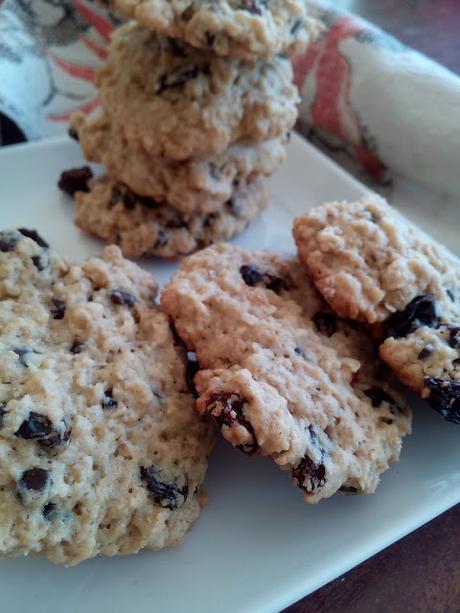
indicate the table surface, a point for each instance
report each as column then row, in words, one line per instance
column 420, row 573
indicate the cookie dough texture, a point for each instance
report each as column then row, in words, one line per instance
column 200, row 185
column 101, row 451
column 373, row 265
column 179, row 102
column 142, row 228
column 247, row 29
column 281, row 375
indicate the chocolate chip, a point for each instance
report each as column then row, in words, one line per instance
column 73, row 133
column 228, row 410
column 75, row 180
column 169, row 494
column 425, row 352
column 421, row 311
column 253, row 277
column 50, row 511
column 348, row 489
column 35, row 236
column 377, row 395
column 454, row 337
column 39, row 427
column 2, row 413
column 34, row 479
column 444, row 397
column 309, row 475
column 59, row 311
column 77, row 347
column 21, row 352
column 177, row 78
column 109, row 402
column 325, row 322
column 121, row 296
column 255, row 7
column 8, row 241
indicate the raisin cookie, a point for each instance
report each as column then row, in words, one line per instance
column 101, row 451
column 371, row 264
column 246, row 29
column 281, row 375
column 193, row 186
column 179, row 102
column 143, row 228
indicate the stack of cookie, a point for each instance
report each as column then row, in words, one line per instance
column 189, row 125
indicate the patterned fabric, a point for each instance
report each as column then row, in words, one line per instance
column 376, row 106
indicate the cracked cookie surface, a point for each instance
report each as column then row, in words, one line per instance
column 281, row 375
column 373, row 265
column 193, row 186
column 179, row 102
column 143, row 228
column 101, row 451
column 248, row 29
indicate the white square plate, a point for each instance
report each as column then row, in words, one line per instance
column 256, row 546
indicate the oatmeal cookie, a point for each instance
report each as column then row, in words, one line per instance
column 101, row 450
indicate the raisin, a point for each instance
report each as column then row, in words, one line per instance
column 73, row 133
column 300, row 352
column 21, row 352
column 210, row 38
column 50, row 511
column 2, row 413
column 77, row 347
column 421, row 311
column 252, row 277
column 444, row 397
column 425, row 352
column 309, row 475
column 129, row 199
column 109, row 402
column 169, row 494
column 228, row 410
column 161, row 240
column 8, row 241
column 298, row 23
column 176, row 47
column 34, row 479
column 177, row 78
column 377, row 396
column 35, row 236
column 39, row 427
column 59, row 311
column 454, row 337
column 255, row 7
column 37, row 262
column 325, row 322
column 121, row 296
column 75, row 180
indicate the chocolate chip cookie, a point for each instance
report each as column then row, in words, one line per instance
column 200, row 185
column 101, row 451
column 179, row 102
column 248, row 29
column 371, row 264
column 141, row 227
column 281, row 375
